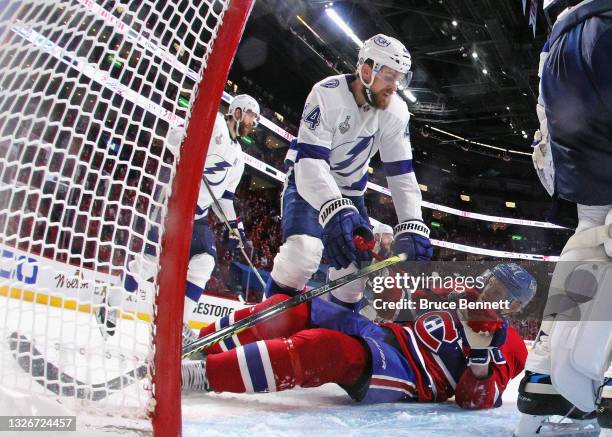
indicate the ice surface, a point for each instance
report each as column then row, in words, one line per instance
column 328, row 411
column 319, row 412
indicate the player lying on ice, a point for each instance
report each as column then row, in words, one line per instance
column 440, row 354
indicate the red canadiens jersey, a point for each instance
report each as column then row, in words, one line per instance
column 437, row 349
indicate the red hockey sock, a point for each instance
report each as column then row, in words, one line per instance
column 309, row 358
column 282, row 325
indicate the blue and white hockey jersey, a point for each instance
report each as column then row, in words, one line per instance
column 337, row 139
column 223, row 169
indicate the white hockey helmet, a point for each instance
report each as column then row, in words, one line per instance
column 382, row 228
column 386, row 51
column 246, row 103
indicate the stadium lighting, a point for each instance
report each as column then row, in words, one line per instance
column 454, row 23
column 331, row 13
column 474, row 55
column 485, row 71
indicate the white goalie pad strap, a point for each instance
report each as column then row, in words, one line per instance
column 412, row 226
column 332, row 207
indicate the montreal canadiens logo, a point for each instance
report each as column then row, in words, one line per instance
column 216, row 169
column 435, row 328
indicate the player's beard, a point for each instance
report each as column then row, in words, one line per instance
column 243, row 129
column 379, row 100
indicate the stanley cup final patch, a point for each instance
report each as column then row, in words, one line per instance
column 344, row 126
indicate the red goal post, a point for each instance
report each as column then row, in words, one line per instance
column 177, row 237
column 90, row 173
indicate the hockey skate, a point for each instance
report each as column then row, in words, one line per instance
column 604, row 411
column 547, row 413
column 193, row 376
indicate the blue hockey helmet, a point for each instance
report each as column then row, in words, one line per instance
column 520, row 283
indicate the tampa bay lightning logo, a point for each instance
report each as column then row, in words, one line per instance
column 216, row 169
column 331, row 83
column 379, row 40
column 357, row 155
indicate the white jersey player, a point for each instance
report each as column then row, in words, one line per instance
column 346, row 120
column 222, row 172
column 568, row 371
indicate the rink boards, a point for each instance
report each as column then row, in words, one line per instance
column 37, row 279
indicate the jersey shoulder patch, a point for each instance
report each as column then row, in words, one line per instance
column 332, row 83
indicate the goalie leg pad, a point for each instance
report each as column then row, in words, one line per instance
column 579, row 332
column 297, row 260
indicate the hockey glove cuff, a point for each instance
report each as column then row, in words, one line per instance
column 412, row 238
column 341, row 220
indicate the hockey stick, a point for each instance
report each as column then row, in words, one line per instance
column 47, row 374
column 247, row 322
column 231, row 231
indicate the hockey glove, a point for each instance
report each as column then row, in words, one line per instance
column 230, row 240
column 412, row 238
column 341, row 221
column 484, row 330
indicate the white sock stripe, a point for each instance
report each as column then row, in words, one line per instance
column 235, row 340
column 267, row 365
column 235, row 336
column 244, row 370
column 385, row 387
column 221, row 343
column 391, row 378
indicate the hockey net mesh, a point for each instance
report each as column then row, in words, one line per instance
column 89, row 95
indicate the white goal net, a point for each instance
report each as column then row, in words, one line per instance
column 90, row 92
